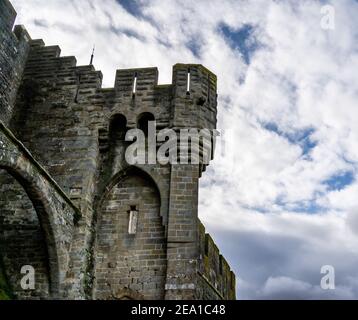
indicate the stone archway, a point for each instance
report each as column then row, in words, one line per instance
column 132, row 258
column 55, row 212
column 22, row 241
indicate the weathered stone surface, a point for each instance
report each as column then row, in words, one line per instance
column 13, row 52
column 67, row 161
column 135, row 261
column 30, row 189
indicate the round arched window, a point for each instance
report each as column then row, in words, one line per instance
column 143, row 120
column 118, row 127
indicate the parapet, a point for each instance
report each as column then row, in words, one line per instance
column 7, row 14
column 201, row 80
column 13, row 53
column 138, row 79
column 218, row 281
column 188, row 102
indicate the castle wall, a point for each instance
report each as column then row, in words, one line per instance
column 216, row 280
column 21, row 239
column 24, row 236
column 182, row 232
column 120, row 100
column 195, row 108
column 64, row 117
column 53, row 119
column 190, row 106
column 13, row 52
column 133, row 261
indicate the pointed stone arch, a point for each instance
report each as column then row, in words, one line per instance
column 136, row 261
column 28, row 207
column 55, row 211
column 129, row 170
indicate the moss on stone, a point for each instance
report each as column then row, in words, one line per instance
column 5, row 292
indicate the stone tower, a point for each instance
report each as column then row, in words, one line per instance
column 91, row 225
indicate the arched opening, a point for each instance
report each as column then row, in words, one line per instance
column 118, row 127
column 143, row 120
column 126, row 256
column 23, row 241
column 112, row 146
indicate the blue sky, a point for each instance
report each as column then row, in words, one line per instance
column 241, row 40
column 281, row 198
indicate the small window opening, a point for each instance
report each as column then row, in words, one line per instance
column 188, row 82
column 206, row 248
column 143, row 121
column 118, row 127
column 78, row 83
column 134, row 85
column 133, row 220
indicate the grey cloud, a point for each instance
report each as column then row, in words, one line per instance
column 41, row 23
column 291, row 289
column 352, row 220
column 285, row 267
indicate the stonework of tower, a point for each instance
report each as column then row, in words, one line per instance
column 67, row 193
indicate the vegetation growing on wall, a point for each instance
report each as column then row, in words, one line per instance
column 5, row 292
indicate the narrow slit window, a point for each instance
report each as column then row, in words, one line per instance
column 133, row 220
column 209, row 88
column 135, row 84
column 78, row 83
column 188, row 82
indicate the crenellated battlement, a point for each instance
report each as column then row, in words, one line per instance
column 14, row 48
column 190, row 101
column 8, row 14
column 136, row 82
